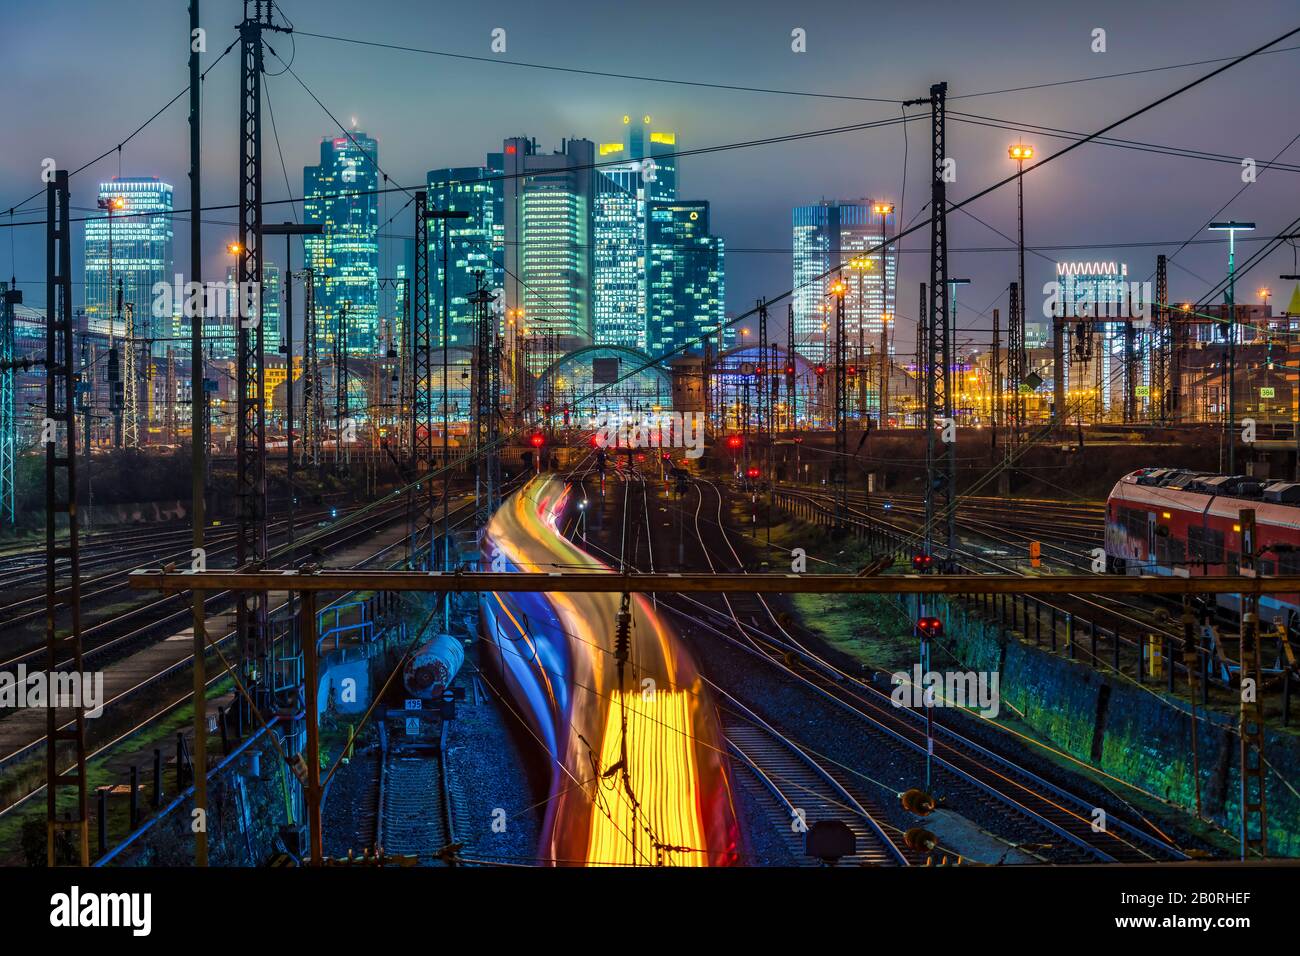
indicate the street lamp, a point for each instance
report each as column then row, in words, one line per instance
column 1229, row 422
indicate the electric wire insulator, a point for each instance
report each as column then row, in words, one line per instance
column 623, row 631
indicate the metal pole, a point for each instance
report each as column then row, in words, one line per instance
column 1231, row 423
column 307, row 628
column 287, row 319
column 446, row 472
column 198, row 453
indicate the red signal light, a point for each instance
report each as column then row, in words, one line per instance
column 930, row 626
column 753, row 472
column 853, row 370
column 537, row 440
column 821, row 369
column 921, row 562
column 734, row 441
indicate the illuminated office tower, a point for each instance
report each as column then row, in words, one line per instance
column 619, row 260
column 142, row 255
column 651, row 152
column 474, row 244
column 830, row 234
column 686, row 285
column 1099, row 290
column 548, row 231
column 340, row 194
column 643, row 170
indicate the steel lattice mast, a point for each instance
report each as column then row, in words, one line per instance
column 65, row 727
column 8, row 423
column 312, row 387
column 1015, row 366
column 940, row 467
column 487, row 408
column 131, row 382
column 250, row 445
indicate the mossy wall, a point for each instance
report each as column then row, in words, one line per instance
column 1135, row 733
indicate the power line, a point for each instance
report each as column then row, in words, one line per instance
column 741, row 88
column 605, row 74
column 138, row 129
column 703, row 150
column 972, row 119
column 1111, row 76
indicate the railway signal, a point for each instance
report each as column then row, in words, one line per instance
column 930, row 626
column 922, row 563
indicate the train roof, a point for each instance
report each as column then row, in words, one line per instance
column 1239, row 487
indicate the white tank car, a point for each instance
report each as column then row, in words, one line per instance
column 433, row 667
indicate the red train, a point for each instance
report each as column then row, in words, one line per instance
column 1173, row 521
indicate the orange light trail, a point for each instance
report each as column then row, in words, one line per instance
column 661, row 766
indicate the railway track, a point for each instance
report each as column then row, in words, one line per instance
column 984, row 775
column 103, row 641
column 15, row 753
column 968, row 768
column 413, row 816
column 1108, row 614
column 806, row 793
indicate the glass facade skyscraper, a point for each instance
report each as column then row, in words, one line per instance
column 686, row 284
column 619, row 259
column 473, row 244
column 620, row 228
column 830, row 234
column 339, row 194
column 547, row 200
column 142, row 256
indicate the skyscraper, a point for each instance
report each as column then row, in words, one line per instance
column 686, row 284
column 473, row 244
column 142, row 256
column 651, row 152
column 620, row 228
column 619, row 259
column 830, row 234
column 548, row 228
column 339, row 194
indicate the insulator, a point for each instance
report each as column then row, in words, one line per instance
column 623, row 630
column 918, row 801
column 920, row 840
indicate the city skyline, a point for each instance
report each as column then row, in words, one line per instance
column 1063, row 208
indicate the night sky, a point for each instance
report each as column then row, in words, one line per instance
column 83, row 75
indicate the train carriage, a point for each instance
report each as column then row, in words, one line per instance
column 1173, row 521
